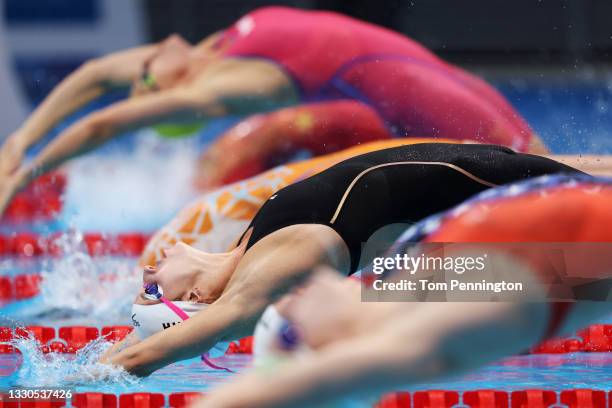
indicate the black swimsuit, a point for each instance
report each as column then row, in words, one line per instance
column 403, row 184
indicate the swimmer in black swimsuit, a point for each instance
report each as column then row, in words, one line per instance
column 398, row 185
column 320, row 221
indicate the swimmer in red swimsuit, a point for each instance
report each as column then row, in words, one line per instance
column 353, row 82
column 356, row 347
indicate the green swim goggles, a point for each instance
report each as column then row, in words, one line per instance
column 168, row 130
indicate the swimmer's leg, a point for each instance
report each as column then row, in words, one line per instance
column 265, row 140
column 537, row 146
column 487, row 91
column 597, row 165
column 435, row 103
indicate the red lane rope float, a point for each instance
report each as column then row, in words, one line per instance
column 435, row 398
column 533, row 398
column 94, row 400
column 77, row 337
column 183, row 399
column 394, row 400
column 6, row 289
column 597, row 337
column 68, row 339
column 594, row 338
column 142, row 400
column 584, row 398
column 40, row 201
column 26, row 286
column 29, row 245
column 485, row 398
column 19, row 287
column 530, row 398
column 115, row 333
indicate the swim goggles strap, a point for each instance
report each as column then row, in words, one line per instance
column 177, row 310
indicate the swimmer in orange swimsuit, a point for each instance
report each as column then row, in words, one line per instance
column 374, row 84
column 361, row 347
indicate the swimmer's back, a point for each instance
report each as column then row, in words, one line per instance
column 398, row 185
column 314, row 45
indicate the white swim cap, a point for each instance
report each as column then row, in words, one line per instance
column 274, row 336
column 150, row 319
column 265, row 338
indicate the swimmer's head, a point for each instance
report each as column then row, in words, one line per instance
column 173, row 61
column 191, row 275
column 275, row 336
column 165, row 67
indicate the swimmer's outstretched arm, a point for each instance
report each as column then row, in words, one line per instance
column 413, row 343
column 436, row 339
column 232, row 86
column 86, row 83
column 96, row 129
column 268, row 270
column 325, row 127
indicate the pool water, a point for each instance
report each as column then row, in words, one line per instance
column 571, row 116
column 138, row 183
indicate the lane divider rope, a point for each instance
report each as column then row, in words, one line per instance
column 487, row 398
column 69, row 339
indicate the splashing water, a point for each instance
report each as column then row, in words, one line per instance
column 56, row 370
column 132, row 190
column 76, row 285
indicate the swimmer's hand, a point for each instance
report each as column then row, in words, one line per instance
column 9, row 185
column 92, row 374
column 99, row 372
column 128, row 341
column 11, row 155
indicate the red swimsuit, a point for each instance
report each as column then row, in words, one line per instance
column 330, row 56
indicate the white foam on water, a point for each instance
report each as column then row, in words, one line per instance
column 57, row 370
column 133, row 190
column 76, row 285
